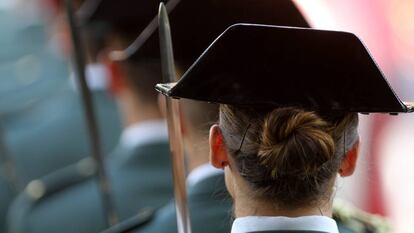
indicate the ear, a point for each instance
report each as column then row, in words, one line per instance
column 219, row 157
column 349, row 162
column 117, row 82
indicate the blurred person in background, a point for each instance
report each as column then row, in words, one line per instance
column 49, row 133
column 26, row 81
column 42, row 128
column 139, row 166
column 7, row 182
column 208, row 200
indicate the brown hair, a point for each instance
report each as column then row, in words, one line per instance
column 288, row 155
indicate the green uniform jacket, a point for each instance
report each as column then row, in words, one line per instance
column 210, row 209
column 53, row 134
column 41, row 117
column 6, row 196
column 141, row 179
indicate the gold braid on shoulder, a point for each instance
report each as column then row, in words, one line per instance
column 358, row 220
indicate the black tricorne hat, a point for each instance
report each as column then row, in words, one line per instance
column 287, row 66
column 125, row 15
column 195, row 23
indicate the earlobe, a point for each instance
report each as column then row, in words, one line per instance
column 116, row 79
column 218, row 151
column 349, row 162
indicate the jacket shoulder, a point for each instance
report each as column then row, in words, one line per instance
column 357, row 220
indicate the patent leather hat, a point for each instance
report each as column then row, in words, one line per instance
column 288, row 66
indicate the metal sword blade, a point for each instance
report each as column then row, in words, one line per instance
column 103, row 183
column 167, row 56
column 143, row 36
column 174, row 126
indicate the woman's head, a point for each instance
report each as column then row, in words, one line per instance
column 287, row 156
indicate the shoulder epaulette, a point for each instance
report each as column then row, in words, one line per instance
column 60, row 179
column 358, row 220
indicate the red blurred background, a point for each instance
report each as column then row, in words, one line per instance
column 383, row 183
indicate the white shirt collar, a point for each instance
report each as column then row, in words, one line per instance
column 202, row 172
column 144, row 133
column 97, row 77
column 266, row 223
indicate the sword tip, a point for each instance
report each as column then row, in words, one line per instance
column 162, row 13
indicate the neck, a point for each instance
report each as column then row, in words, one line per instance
column 244, row 206
column 134, row 111
column 198, row 152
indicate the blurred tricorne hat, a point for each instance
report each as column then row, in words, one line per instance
column 195, row 23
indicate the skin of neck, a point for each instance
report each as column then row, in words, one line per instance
column 197, row 150
column 245, row 203
column 134, row 110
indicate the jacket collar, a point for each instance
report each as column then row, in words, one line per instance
column 212, row 186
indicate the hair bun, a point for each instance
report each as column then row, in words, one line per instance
column 295, row 142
